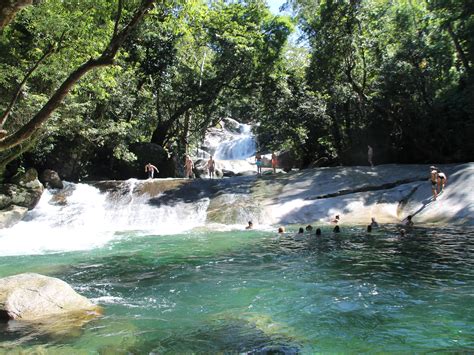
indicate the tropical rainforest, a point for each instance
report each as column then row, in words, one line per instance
column 88, row 87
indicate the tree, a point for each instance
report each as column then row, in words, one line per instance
column 13, row 141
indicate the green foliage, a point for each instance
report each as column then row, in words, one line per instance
column 393, row 74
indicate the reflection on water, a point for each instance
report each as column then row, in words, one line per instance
column 254, row 291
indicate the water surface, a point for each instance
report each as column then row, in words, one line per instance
column 254, row 291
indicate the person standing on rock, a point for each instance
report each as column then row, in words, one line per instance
column 188, row 167
column 150, row 169
column 370, row 154
column 274, row 162
column 434, row 181
column 258, row 162
column 211, row 167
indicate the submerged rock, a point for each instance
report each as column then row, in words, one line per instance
column 33, row 297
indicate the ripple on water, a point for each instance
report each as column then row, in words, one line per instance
column 254, row 292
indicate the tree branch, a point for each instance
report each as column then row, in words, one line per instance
column 119, row 15
column 458, row 47
column 9, row 8
column 52, row 48
column 105, row 59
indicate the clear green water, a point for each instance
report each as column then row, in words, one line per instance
column 252, row 291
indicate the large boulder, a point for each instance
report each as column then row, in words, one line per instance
column 28, row 177
column 51, row 179
column 200, row 168
column 25, row 191
column 32, row 297
column 288, row 161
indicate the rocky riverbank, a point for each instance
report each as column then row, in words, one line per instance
column 388, row 193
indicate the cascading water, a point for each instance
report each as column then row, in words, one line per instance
column 90, row 219
column 233, row 146
column 239, row 146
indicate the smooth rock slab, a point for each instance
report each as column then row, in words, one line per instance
column 11, row 216
column 33, row 297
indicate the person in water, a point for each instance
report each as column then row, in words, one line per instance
column 442, row 180
column 369, row 228
column 318, row 231
column 409, row 222
column 274, row 162
column 250, row 225
column 336, row 219
column 281, row 229
column 374, row 223
column 259, row 163
column 150, row 170
column 301, row 230
column 211, row 167
column 434, row 181
column 402, row 232
column 336, row 229
column 188, row 167
column 309, row 228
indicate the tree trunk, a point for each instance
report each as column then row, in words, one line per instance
column 105, row 59
column 458, row 47
column 9, row 8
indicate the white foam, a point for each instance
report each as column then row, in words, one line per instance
column 91, row 219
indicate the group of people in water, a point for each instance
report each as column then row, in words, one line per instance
column 407, row 222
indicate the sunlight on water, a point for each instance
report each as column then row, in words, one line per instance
column 241, row 291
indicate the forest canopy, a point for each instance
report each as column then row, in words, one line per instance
column 322, row 81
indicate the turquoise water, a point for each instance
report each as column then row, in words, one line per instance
column 253, row 291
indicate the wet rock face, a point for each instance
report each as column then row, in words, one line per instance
column 25, row 191
column 32, row 297
column 51, row 179
column 12, row 215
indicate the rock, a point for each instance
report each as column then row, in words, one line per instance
column 12, row 215
column 51, row 179
column 230, row 124
column 227, row 173
column 246, row 173
column 287, row 161
column 30, row 176
column 25, row 194
column 200, row 168
column 32, row 297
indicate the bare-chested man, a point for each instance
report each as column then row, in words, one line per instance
column 211, row 167
column 150, row 169
column 188, row 167
column 434, row 181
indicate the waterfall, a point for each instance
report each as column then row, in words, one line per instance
column 238, row 146
column 90, row 219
